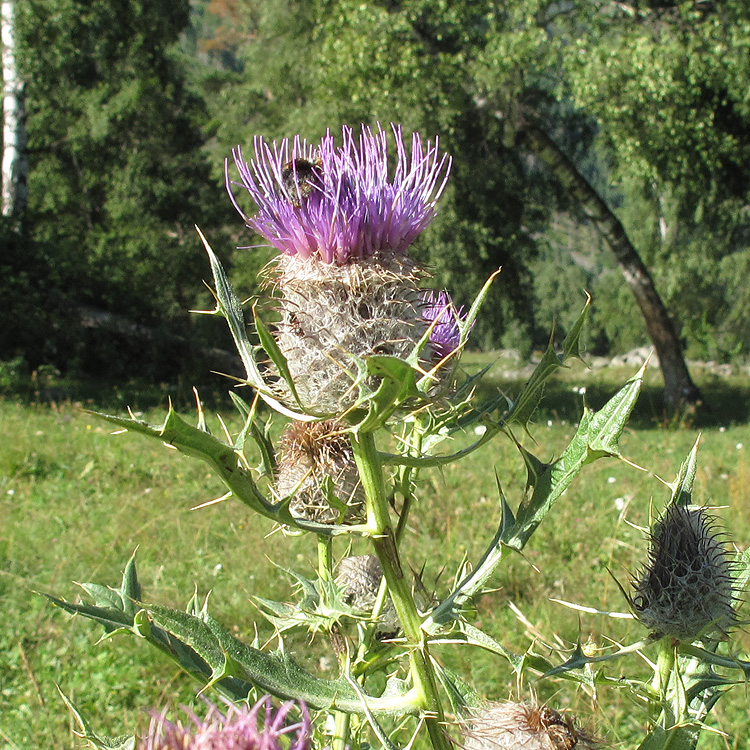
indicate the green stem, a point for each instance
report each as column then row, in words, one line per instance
column 325, row 558
column 664, row 668
column 340, row 731
column 408, row 477
column 384, row 542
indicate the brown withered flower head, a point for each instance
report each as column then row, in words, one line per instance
column 686, row 588
column 520, row 726
column 315, row 463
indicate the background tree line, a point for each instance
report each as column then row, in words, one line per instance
column 134, row 104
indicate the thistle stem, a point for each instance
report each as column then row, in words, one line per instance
column 325, row 558
column 340, row 731
column 386, row 548
column 665, row 664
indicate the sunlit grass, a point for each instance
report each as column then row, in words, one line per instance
column 75, row 501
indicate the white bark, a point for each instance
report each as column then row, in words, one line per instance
column 14, row 164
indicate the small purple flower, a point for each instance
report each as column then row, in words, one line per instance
column 236, row 729
column 337, row 202
column 445, row 335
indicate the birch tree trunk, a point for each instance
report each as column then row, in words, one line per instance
column 679, row 389
column 15, row 164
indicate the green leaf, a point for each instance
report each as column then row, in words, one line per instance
column 115, row 619
column 683, row 737
column 656, row 739
column 396, row 385
column 532, row 392
column 98, row 741
column 276, row 673
column 228, row 306
column 597, row 436
column 222, row 457
column 268, row 343
column 682, row 487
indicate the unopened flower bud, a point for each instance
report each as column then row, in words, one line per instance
column 315, row 463
column 518, row 726
column 686, row 588
column 359, row 577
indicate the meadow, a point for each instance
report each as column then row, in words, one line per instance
column 76, row 501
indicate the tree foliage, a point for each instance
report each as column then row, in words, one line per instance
column 117, row 174
column 128, row 135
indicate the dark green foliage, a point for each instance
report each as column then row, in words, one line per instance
column 117, row 181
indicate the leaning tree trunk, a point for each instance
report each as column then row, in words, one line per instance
column 14, row 163
column 679, row 389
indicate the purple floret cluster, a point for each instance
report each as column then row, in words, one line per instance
column 259, row 727
column 337, row 203
column 445, row 334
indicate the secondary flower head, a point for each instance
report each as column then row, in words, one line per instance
column 239, row 728
column 337, row 203
column 316, row 466
column 519, row 726
column 687, row 587
column 445, row 335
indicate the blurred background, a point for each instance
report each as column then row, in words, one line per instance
column 569, row 122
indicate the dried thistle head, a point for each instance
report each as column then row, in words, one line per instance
column 686, row 588
column 330, row 315
column 520, row 726
column 315, row 463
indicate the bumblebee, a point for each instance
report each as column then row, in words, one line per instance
column 300, row 178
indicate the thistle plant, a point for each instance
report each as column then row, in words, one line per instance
column 360, row 358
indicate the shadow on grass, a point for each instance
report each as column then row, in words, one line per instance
column 724, row 403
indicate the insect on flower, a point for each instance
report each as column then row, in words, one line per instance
column 301, row 177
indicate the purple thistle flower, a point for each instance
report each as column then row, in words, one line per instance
column 445, row 335
column 236, row 729
column 336, row 202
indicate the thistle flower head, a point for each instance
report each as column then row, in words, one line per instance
column 237, row 728
column 686, row 587
column 445, row 335
column 316, row 464
column 516, row 726
column 337, row 203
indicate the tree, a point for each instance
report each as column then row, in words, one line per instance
column 118, row 177
column 14, row 162
column 667, row 84
column 477, row 60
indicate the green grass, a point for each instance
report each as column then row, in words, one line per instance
column 75, row 501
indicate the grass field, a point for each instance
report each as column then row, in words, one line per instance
column 75, row 501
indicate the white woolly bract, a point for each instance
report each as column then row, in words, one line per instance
column 519, row 726
column 331, row 314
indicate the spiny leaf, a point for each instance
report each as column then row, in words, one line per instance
column 276, row 673
column 228, row 306
column 98, row 741
column 527, row 402
column 682, row 487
